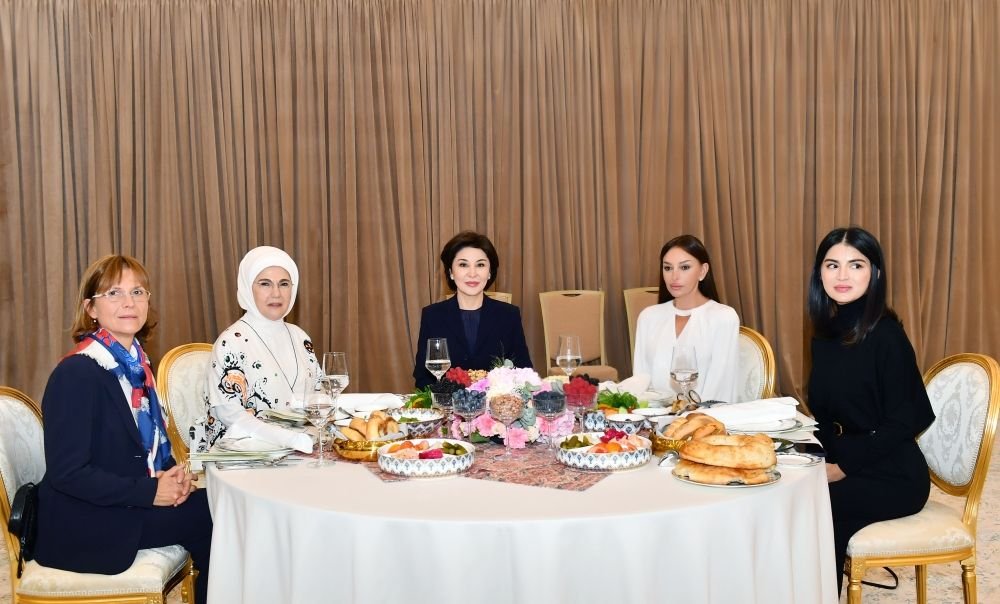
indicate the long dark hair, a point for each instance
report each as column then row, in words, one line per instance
column 822, row 308
column 693, row 246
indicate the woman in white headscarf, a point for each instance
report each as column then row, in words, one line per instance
column 260, row 361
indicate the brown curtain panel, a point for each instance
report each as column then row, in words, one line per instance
column 578, row 134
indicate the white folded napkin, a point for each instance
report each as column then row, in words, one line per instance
column 352, row 401
column 754, row 412
column 635, row 385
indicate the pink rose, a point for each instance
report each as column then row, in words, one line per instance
column 517, row 438
column 484, row 424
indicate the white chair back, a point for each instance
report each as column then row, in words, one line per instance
column 756, row 367
column 960, row 396
column 22, row 452
column 182, row 381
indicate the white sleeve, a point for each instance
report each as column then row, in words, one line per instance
column 721, row 377
column 644, row 327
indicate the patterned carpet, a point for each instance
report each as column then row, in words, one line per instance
column 944, row 585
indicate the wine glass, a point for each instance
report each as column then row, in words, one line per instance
column 438, row 362
column 684, row 368
column 445, row 402
column 336, row 376
column 468, row 406
column 319, row 404
column 568, row 355
column 550, row 405
column 580, row 404
column 506, row 409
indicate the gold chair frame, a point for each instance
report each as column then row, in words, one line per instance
column 178, row 442
column 972, row 491
column 185, row 576
column 766, row 353
column 636, row 300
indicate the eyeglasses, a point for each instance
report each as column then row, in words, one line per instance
column 117, row 295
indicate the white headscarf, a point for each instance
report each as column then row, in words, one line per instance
column 252, row 265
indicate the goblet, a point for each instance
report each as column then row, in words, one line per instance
column 318, row 408
column 444, row 401
column 568, row 355
column 550, row 405
column 684, row 368
column 506, row 409
column 468, row 405
column 580, row 404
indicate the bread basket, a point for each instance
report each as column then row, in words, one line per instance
column 359, row 450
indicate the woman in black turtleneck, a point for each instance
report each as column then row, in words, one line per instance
column 865, row 390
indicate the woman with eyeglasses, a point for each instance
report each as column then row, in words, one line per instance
column 260, row 361
column 111, row 486
column 865, row 390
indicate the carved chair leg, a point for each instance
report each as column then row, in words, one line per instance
column 969, row 580
column 921, row 571
column 856, row 572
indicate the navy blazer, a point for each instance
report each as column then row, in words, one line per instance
column 500, row 336
column 96, row 482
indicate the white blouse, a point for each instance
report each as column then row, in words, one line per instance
column 256, row 365
column 712, row 329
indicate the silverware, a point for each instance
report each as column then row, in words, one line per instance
column 669, row 456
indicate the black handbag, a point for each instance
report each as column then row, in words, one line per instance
column 23, row 522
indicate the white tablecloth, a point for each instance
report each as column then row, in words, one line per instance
column 339, row 534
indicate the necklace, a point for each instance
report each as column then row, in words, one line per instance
column 291, row 384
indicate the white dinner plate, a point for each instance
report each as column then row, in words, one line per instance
column 250, row 445
column 775, row 427
column 798, row 460
column 775, row 476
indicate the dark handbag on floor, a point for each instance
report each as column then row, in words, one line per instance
column 23, row 522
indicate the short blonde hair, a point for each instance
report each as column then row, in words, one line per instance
column 98, row 278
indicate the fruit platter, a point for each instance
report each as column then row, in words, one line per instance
column 608, row 451
column 426, row 457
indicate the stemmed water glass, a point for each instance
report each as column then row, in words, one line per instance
column 684, row 369
column 506, row 409
column 318, row 406
column 550, row 405
column 336, row 376
column 568, row 355
column 438, row 362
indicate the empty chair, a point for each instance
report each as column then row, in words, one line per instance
column 756, row 367
column 636, row 299
column 964, row 391
column 22, row 460
column 579, row 313
column 181, row 380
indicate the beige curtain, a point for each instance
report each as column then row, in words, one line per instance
column 578, row 134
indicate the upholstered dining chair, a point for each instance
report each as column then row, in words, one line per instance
column 22, row 460
column 964, row 390
column 756, row 366
column 181, row 380
column 581, row 313
column 636, row 299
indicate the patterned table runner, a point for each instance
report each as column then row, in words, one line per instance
column 534, row 466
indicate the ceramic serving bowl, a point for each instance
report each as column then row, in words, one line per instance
column 418, row 423
column 582, row 459
column 629, row 423
column 425, row 468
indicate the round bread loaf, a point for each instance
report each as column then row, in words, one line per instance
column 694, row 425
column 706, row 474
column 731, row 451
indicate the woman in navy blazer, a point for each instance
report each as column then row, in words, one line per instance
column 479, row 329
column 111, row 486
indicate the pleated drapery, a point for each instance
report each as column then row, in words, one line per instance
column 579, row 135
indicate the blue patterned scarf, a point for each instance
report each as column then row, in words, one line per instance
column 150, row 420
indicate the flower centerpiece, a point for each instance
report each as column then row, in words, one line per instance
column 475, row 389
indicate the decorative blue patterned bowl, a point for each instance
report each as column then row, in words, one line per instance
column 424, row 468
column 629, row 423
column 428, row 421
column 606, row 462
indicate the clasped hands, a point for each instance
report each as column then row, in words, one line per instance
column 173, row 486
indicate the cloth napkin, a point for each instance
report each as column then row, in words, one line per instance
column 635, row 385
column 352, row 401
column 754, row 412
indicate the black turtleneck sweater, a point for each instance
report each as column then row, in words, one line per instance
column 874, row 391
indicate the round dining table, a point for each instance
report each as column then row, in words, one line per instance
column 299, row 534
